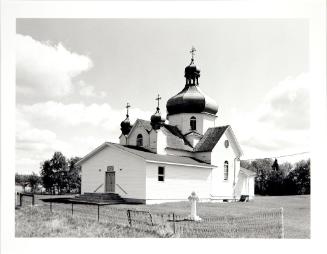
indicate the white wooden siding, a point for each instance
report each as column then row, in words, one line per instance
column 139, row 129
column 220, row 154
column 179, row 182
column 203, row 121
column 130, row 172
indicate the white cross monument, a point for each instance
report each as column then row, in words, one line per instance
column 193, row 199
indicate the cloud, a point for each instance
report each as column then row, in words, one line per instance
column 89, row 91
column 46, row 71
column 74, row 114
column 281, row 122
column 287, row 106
column 74, row 129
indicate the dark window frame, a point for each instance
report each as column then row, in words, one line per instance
column 139, row 140
column 161, row 175
column 226, row 167
column 193, row 123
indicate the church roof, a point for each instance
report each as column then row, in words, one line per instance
column 179, row 139
column 150, row 156
column 210, row 139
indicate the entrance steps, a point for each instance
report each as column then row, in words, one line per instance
column 108, row 198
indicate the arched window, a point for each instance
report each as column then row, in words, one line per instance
column 139, row 140
column 226, row 170
column 193, row 123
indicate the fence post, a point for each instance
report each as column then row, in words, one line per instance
column 98, row 213
column 129, row 218
column 151, row 219
column 174, row 223
column 283, row 233
column 33, row 200
column 72, row 208
column 50, row 206
column 20, row 199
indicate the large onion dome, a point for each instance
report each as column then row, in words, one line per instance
column 125, row 126
column 191, row 99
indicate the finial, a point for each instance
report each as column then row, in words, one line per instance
column 158, row 99
column 127, row 106
column 192, row 53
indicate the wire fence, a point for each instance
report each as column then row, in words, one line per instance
column 262, row 224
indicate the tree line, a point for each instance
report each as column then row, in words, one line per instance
column 283, row 179
column 58, row 175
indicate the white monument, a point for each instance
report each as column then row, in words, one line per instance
column 193, row 199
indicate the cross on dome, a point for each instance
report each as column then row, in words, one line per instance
column 192, row 53
column 127, row 106
column 158, row 99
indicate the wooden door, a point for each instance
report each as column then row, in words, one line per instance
column 110, row 182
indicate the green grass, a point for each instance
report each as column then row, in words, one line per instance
column 38, row 221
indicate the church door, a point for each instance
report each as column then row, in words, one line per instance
column 110, row 182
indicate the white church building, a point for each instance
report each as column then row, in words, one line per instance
column 160, row 160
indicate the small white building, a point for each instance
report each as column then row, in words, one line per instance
column 159, row 162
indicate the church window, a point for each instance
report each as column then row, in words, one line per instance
column 193, row 123
column 139, row 140
column 161, row 174
column 226, row 170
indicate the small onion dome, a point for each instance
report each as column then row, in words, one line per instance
column 191, row 71
column 125, row 126
column 157, row 120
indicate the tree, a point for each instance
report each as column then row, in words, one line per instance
column 33, row 181
column 74, row 174
column 275, row 165
column 285, row 168
column 58, row 164
column 47, row 176
column 298, row 180
column 21, row 180
column 54, row 173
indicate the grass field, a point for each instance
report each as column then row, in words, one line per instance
column 39, row 222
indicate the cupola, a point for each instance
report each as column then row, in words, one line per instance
column 191, row 99
column 125, row 126
column 156, row 119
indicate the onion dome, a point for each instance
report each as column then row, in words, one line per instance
column 156, row 119
column 125, row 126
column 191, row 99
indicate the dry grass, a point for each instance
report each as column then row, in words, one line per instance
column 36, row 222
column 39, row 221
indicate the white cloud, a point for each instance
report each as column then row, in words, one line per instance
column 280, row 124
column 74, row 114
column 44, row 70
column 73, row 129
column 89, row 91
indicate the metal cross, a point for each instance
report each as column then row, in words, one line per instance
column 193, row 52
column 158, row 99
column 127, row 106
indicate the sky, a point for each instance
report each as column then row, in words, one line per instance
column 75, row 76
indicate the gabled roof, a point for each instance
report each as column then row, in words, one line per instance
column 210, row 139
column 146, row 124
column 177, row 133
column 248, row 172
column 149, row 156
